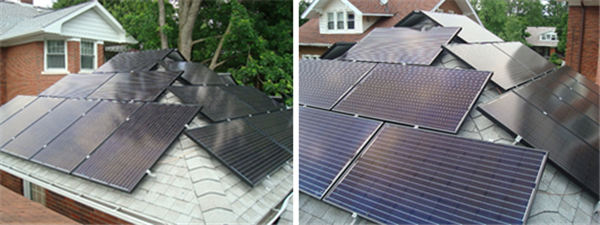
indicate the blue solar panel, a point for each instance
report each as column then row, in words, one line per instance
column 410, row 176
column 431, row 97
column 328, row 143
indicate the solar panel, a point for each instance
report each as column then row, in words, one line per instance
column 525, row 55
column 572, row 98
column 402, row 45
column 566, row 150
column 21, row 120
column 431, row 97
column 562, row 76
column 567, row 116
column 276, row 127
column 323, row 82
column 76, row 85
column 409, row 176
column 14, row 105
column 195, row 73
column 40, row 133
column 121, row 160
column 581, row 79
column 227, row 79
column 242, row 148
column 256, row 99
column 217, row 103
column 508, row 72
column 337, row 50
column 471, row 31
column 141, row 86
column 72, row 146
column 328, row 143
column 134, row 61
column 288, row 114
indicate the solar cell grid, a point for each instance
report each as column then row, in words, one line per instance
column 568, row 151
column 76, row 85
column 40, row 133
column 121, row 160
column 14, row 105
column 142, row 86
column 323, row 82
column 525, row 55
column 411, row 176
column 256, row 99
column 431, row 97
column 21, row 120
column 217, row 103
column 275, row 126
column 572, row 98
column 580, row 78
column 328, row 142
column 402, row 45
column 242, row 148
column 574, row 85
column 508, row 72
column 134, row 61
column 72, row 146
column 195, row 73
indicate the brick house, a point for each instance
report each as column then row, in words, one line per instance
column 334, row 21
column 582, row 38
column 543, row 40
column 38, row 46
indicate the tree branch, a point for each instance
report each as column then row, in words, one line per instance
column 224, row 61
column 204, row 39
column 213, row 62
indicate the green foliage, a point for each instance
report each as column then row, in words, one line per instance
column 554, row 12
column 303, row 6
column 66, row 3
column 561, row 32
column 555, row 59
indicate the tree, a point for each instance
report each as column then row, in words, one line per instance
column 561, row 32
column 161, row 23
column 303, row 6
column 493, row 14
column 554, row 12
column 188, row 11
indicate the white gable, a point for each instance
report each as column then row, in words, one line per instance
column 90, row 25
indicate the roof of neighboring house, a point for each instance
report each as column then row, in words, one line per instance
column 24, row 20
column 534, row 38
column 310, row 35
column 369, row 6
column 17, row 209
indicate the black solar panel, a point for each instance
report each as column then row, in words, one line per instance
column 567, row 116
column 508, row 72
column 328, row 143
column 562, row 76
column 40, row 133
column 72, row 146
column 402, row 45
column 121, row 160
column 569, row 96
column 566, row 150
column 134, row 61
column 256, row 99
column 409, row 176
column 242, row 148
column 431, row 97
column 217, row 103
column 323, row 82
column 195, row 73
column 337, row 50
column 14, row 105
column 21, row 120
column 581, row 79
column 288, row 114
column 76, row 85
column 142, row 86
column 531, row 59
column 276, row 127
column 227, row 79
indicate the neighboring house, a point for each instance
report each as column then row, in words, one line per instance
column 582, row 38
column 39, row 46
column 543, row 40
column 334, row 21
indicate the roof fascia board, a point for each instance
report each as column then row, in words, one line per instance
column 55, row 27
column 379, row 14
column 474, row 12
column 311, row 7
column 437, row 6
column 315, row 44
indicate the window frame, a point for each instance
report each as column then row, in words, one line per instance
column 65, row 53
column 94, row 55
column 341, row 20
column 330, row 21
column 348, row 20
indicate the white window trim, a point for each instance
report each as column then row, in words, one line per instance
column 336, row 29
column 51, row 71
column 308, row 56
column 95, row 61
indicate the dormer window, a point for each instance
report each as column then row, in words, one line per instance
column 330, row 21
column 550, row 36
column 340, row 20
column 350, row 21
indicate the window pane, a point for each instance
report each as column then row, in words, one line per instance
column 56, row 61
column 55, row 47
column 330, row 21
column 340, row 20
column 87, row 48
column 87, row 62
column 350, row 21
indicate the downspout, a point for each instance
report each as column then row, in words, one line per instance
column 582, row 35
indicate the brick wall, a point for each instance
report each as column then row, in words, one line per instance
column 79, row 212
column 582, row 41
column 73, row 56
column 3, row 97
column 11, row 182
column 100, row 55
column 451, row 5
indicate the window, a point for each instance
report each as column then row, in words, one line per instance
column 350, row 21
column 34, row 192
column 306, row 56
column 87, row 55
column 55, row 54
column 340, row 20
column 330, row 21
column 549, row 37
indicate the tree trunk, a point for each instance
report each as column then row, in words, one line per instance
column 213, row 62
column 161, row 22
column 188, row 11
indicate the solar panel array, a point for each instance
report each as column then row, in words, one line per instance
column 275, row 126
column 323, row 82
column 14, row 105
column 567, row 150
column 112, row 143
column 562, row 76
column 402, row 45
column 241, row 147
column 525, row 55
column 195, row 73
column 225, row 102
column 139, row 86
column 409, row 176
column 328, row 143
column 581, row 79
column 431, row 97
column 134, row 61
column 471, row 31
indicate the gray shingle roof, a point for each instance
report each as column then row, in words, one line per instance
column 534, row 38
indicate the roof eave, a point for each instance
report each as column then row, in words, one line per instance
column 315, row 44
column 379, row 14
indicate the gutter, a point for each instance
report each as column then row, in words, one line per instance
column 84, row 199
column 315, row 44
column 281, row 209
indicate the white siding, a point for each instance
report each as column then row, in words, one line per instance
column 366, row 24
column 90, row 25
column 338, row 6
